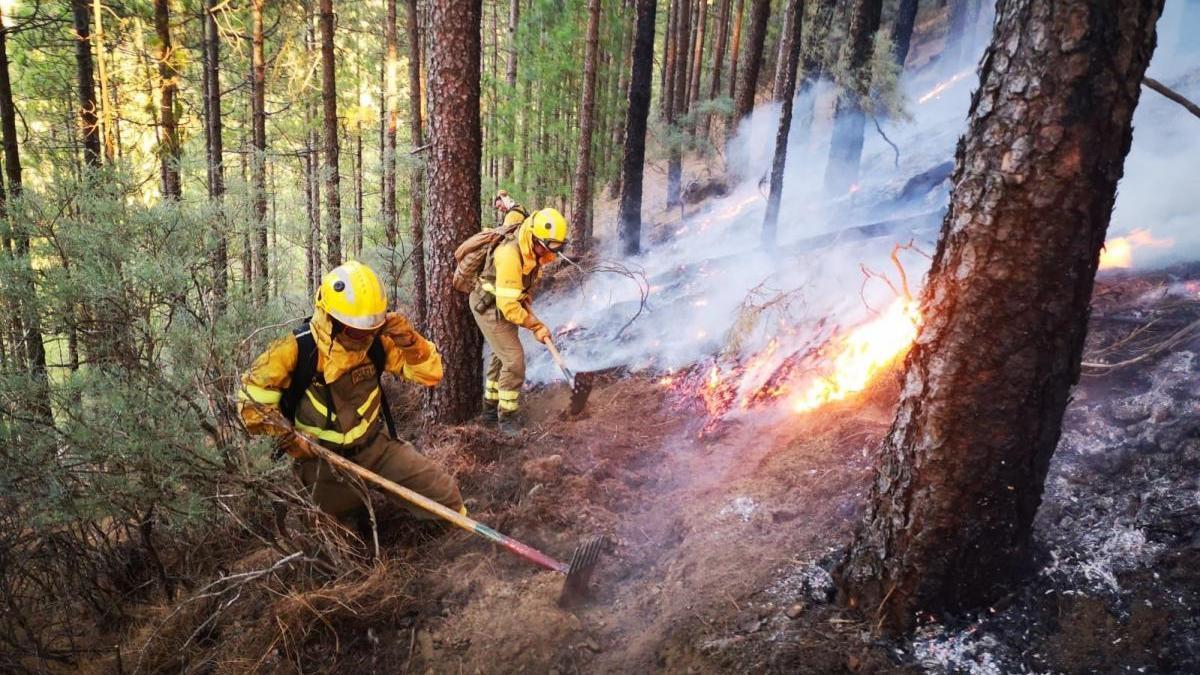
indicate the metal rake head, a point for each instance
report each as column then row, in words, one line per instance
column 579, row 574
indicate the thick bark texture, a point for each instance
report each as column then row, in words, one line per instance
column 454, row 60
column 329, row 120
column 168, row 85
column 1005, row 310
column 845, row 149
column 581, row 197
column 89, row 125
column 795, row 23
column 258, row 141
column 634, row 162
column 902, row 30
column 743, row 104
column 417, row 177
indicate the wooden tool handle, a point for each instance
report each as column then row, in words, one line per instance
column 558, row 360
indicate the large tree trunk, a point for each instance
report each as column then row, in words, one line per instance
column 634, row 163
column 581, row 197
column 417, row 177
column 28, row 324
column 333, row 196
column 781, row 60
column 795, row 22
column 168, row 86
column 902, row 30
column 214, row 143
column 106, row 118
column 258, row 136
column 714, row 89
column 618, row 125
column 743, row 104
column 670, row 56
column 845, row 149
column 85, row 75
column 683, row 34
column 698, row 53
column 735, row 48
column 949, row 522
column 454, row 60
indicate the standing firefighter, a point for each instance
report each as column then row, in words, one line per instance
column 509, row 211
column 501, row 302
column 325, row 379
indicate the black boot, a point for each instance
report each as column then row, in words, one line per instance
column 490, row 414
column 511, row 424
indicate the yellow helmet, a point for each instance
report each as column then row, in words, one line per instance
column 550, row 227
column 352, row 294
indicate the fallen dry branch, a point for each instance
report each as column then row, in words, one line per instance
column 1175, row 339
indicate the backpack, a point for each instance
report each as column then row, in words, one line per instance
column 471, row 255
column 306, row 370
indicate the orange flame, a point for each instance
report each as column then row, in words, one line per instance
column 942, row 86
column 859, row 355
column 1118, row 253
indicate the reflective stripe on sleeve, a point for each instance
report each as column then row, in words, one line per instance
column 501, row 292
column 250, row 392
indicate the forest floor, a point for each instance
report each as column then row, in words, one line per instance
column 721, row 537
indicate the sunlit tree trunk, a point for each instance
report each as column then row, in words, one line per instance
column 760, row 12
column 621, row 93
column 417, row 175
column 634, row 163
column 670, row 57
column 454, row 163
column 679, row 88
column 735, row 47
column 949, row 520
column 714, row 89
column 89, row 125
column 168, row 86
column 214, row 143
column 329, row 120
column 258, row 136
column 698, row 52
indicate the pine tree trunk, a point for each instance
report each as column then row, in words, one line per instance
column 168, row 86
column 637, row 112
column 106, row 117
column 845, row 149
column 333, row 197
column 356, row 241
column 950, row 516
column 85, row 75
column 28, row 324
column 454, row 62
column 618, row 127
column 258, row 160
column 679, row 90
column 670, row 58
column 714, row 89
column 781, row 60
column 698, row 53
column 735, row 47
column 581, row 195
column 216, row 151
column 391, row 88
column 902, row 30
column 510, row 79
column 313, row 241
column 743, row 105
column 417, row 177
column 795, row 21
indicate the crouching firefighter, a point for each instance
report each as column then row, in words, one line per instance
column 501, row 303
column 324, row 378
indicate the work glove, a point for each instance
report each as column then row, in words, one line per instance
column 541, row 333
column 294, row 446
column 397, row 327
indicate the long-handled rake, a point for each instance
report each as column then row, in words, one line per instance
column 581, row 383
column 578, row 571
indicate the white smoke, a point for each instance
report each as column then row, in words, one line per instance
column 701, row 275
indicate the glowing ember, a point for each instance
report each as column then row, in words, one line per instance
column 942, row 86
column 1118, row 253
column 859, row 355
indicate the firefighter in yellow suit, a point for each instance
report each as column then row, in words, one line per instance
column 341, row 406
column 509, row 211
column 501, row 303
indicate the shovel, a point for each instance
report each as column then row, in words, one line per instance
column 578, row 571
column 581, row 383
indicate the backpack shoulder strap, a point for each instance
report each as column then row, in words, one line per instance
column 302, row 375
column 379, row 360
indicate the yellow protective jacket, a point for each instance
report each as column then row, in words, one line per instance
column 510, row 273
column 271, row 373
column 515, row 216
